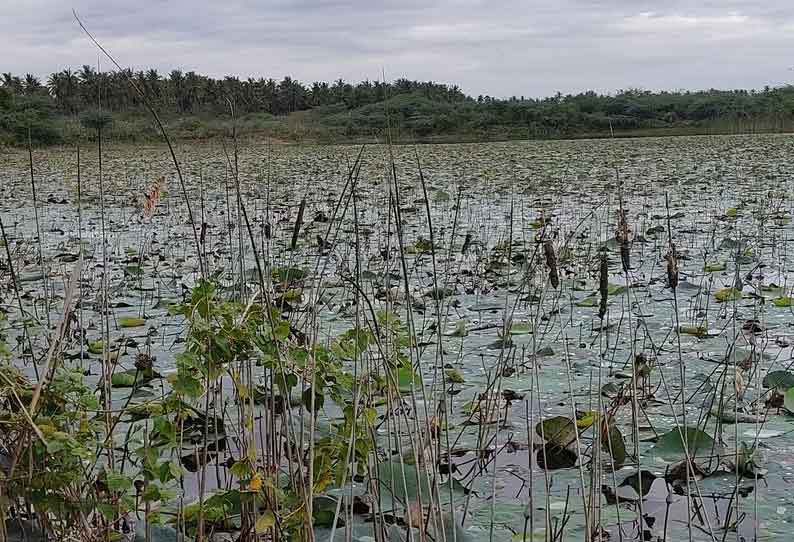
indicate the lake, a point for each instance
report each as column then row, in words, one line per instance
column 529, row 299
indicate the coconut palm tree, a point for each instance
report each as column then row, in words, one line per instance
column 12, row 83
column 32, row 85
column 64, row 86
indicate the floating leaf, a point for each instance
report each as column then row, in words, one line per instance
column 440, row 196
column 455, row 376
column 538, row 223
column 715, row 266
column 460, row 330
column 586, row 420
column 521, row 328
column 731, row 212
column 670, row 446
column 788, row 400
column 616, row 289
column 134, row 270
column 612, row 442
column 779, row 380
column 773, row 291
column 132, row 378
column 407, row 379
column 552, row 457
column 640, row 482
column 401, row 482
column 131, row 321
column 288, row 274
column 558, row 430
column 691, row 329
column 421, row 245
column 124, row 379
column 784, row 301
column 728, row 294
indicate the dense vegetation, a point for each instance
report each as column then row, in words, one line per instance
column 197, row 106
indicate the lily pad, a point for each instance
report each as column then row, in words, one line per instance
column 131, row 321
column 670, row 446
column 714, row 267
column 558, row 430
column 613, row 443
column 728, row 294
column 788, row 400
column 521, row 328
column 553, row 457
column 779, row 380
column 696, row 330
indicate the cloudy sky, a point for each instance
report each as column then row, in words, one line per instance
column 501, row 48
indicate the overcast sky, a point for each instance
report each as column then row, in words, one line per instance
column 501, row 48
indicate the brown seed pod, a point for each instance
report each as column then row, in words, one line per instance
column 623, row 236
column 144, row 362
column 625, row 256
column 551, row 263
column 466, row 244
column 672, row 268
column 603, row 285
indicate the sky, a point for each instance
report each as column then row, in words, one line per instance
column 500, row 48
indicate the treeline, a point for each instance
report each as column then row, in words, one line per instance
column 192, row 93
column 52, row 111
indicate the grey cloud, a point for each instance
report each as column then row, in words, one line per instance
column 512, row 47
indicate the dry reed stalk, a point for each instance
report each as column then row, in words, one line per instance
column 603, row 285
column 152, row 197
column 551, row 263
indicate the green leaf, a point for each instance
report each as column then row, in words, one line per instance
column 784, row 301
column 670, row 446
column 152, row 493
column 613, row 443
column 118, row 482
column 394, row 488
column 455, row 376
column 460, row 329
column 306, row 398
column 779, row 380
column 728, row 294
column 440, row 196
column 185, row 384
column 407, row 379
column 265, row 522
column 616, row 289
column 715, row 266
column 772, row 290
column 521, row 328
column 691, row 329
column 558, row 430
column 788, row 400
column 589, row 301
column 281, row 330
column 131, row 321
column 132, row 378
column 124, row 379
column 134, row 270
column 288, row 274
